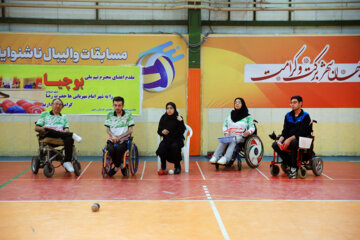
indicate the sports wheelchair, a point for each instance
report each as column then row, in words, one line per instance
column 130, row 160
column 252, row 150
column 306, row 158
column 50, row 150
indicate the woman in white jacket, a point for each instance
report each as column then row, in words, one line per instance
column 239, row 124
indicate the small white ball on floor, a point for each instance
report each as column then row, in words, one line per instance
column 171, row 171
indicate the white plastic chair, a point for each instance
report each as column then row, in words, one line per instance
column 185, row 150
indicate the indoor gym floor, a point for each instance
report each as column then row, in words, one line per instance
column 201, row 204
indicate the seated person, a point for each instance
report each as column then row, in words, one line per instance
column 296, row 124
column 119, row 126
column 55, row 125
column 171, row 128
column 238, row 123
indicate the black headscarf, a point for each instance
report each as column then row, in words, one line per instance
column 238, row 114
column 167, row 116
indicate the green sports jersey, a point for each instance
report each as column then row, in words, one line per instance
column 49, row 120
column 119, row 125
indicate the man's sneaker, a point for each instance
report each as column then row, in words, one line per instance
column 162, row 172
column 112, row 171
column 222, row 161
column 76, row 137
column 292, row 173
column 213, row 159
column 68, row 166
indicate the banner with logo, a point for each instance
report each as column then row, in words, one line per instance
column 83, row 89
column 161, row 60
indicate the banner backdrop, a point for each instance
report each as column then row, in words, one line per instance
column 162, row 60
column 267, row 70
column 83, row 89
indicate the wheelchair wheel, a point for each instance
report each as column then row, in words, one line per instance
column 35, row 164
column 302, row 172
column 317, row 166
column 77, row 168
column 254, row 151
column 49, row 170
column 125, row 171
column 217, row 166
column 106, row 163
column 239, row 164
column 133, row 159
column 274, row 170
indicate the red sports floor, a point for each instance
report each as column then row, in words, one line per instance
column 201, row 204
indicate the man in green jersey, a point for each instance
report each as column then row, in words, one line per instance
column 55, row 125
column 119, row 126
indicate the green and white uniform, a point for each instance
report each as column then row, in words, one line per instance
column 56, row 122
column 119, row 125
column 239, row 127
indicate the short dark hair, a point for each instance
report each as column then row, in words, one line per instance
column 119, row 99
column 57, row 99
column 299, row 98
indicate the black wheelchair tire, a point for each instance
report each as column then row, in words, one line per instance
column 239, row 164
column 35, row 164
column 133, row 159
column 77, row 168
column 274, row 170
column 247, row 149
column 125, row 171
column 49, row 170
column 302, row 172
column 317, row 166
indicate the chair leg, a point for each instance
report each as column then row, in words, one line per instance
column 159, row 163
column 186, row 160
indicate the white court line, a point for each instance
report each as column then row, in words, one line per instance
column 327, row 176
column 82, row 172
column 216, row 212
column 142, row 174
column 220, row 222
column 200, row 171
column 262, row 174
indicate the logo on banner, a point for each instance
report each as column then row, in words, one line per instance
column 158, row 68
column 307, row 71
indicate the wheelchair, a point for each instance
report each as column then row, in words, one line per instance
column 51, row 150
column 130, row 160
column 251, row 150
column 306, row 157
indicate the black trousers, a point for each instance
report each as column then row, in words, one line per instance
column 117, row 152
column 68, row 142
column 290, row 159
column 170, row 150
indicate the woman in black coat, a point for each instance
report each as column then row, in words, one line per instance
column 171, row 128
